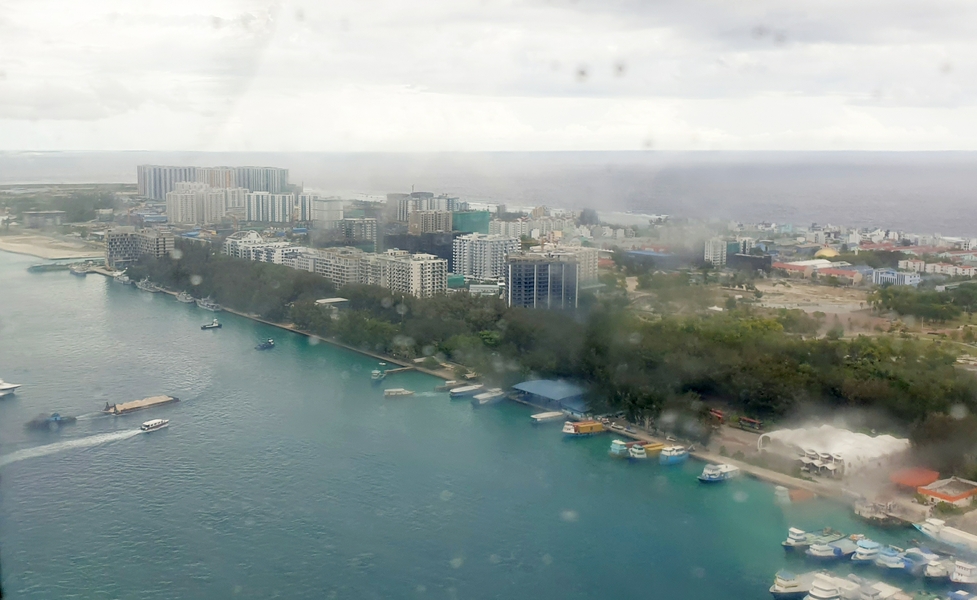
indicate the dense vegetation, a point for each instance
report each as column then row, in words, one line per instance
column 926, row 304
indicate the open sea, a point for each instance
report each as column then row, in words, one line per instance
column 285, row 474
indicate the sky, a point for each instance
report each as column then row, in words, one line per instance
column 488, row 75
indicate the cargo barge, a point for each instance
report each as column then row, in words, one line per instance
column 128, row 407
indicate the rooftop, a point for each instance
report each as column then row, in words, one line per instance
column 551, row 389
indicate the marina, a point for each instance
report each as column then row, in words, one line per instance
column 128, row 407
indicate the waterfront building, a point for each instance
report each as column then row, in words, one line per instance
column 715, row 252
column 428, row 221
column 420, row 275
column 266, row 207
column 542, row 280
column 893, row 277
column 482, row 256
column 250, row 245
column 342, row 266
column 125, row 245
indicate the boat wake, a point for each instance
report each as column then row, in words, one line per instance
column 427, row 394
column 85, row 442
column 92, row 415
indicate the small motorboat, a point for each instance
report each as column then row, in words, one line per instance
column 619, row 449
column 215, row 324
column 267, row 345
column 8, row 388
column 154, row 424
column 673, row 455
column 798, row 539
column 890, row 559
column 718, row 473
column 79, row 269
column 122, row 278
column 185, row 298
column 490, row 396
column 396, row 392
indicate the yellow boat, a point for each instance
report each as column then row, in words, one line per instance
column 653, row 448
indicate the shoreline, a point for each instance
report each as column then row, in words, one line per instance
column 46, row 248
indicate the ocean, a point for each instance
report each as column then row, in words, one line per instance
column 920, row 192
column 285, row 474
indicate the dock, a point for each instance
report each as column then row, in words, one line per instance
column 397, row 370
column 127, row 407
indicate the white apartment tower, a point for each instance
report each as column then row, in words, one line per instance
column 482, row 256
column 715, row 252
column 266, row 207
column 196, row 203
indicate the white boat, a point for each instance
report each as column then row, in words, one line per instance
column 491, row 396
column 185, row 298
column 545, row 417
column 939, row 568
column 376, row 376
column 866, row 551
column 148, row 286
column 964, row 573
column 717, row 473
column 8, row 388
column 788, row 586
column 673, row 455
column 79, row 269
column 890, row 559
column 619, row 449
column 154, row 424
column 938, row 530
column 637, row 452
column 827, row 587
column 208, row 304
column 465, row 390
column 396, row 392
column 880, row 590
column 960, row 595
column 121, row 278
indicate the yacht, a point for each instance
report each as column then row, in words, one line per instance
column 208, row 304
column 619, row 449
column 490, row 396
column 8, row 388
column 717, row 473
column 267, row 345
column 122, row 278
column 788, row 586
column 546, row 417
column 154, row 424
column 637, row 452
column 396, row 392
column 866, row 551
column 215, row 324
column 466, row 390
column 376, row 376
column 185, row 298
column 964, row 573
column 826, row 587
column 673, row 455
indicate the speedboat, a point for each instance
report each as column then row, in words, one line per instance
column 491, row 396
column 268, row 345
column 717, row 473
column 376, row 376
column 673, row 455
column 866, row 551
column 788, row 586
column 637, row 452
column 185, row 298
column 215, row 324
column 396, row 392
column 8, row 388
column 619, row 449
column 832, row 550
column 154, row 424
column 965, row 573
column 208, row 304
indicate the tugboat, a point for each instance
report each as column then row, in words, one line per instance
column 208, row 304
column 215, row 324
column 42, row 422
column 185, row 298
column 268, row 345
column 154, row 424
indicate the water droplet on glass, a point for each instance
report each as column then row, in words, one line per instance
column 446, row 495
column 698, row 572
column 196, row 280
column 176, row 254
column 495, row 559
column 314, row 340
column 387, row 302
column 420, row 589
column 570, row 516
column 740, row 496
column 456, row 562
column 547, row 559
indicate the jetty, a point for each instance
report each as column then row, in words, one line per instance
column 398, row 370
column 127, row 407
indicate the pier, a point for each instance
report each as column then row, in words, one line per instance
column 397, row 370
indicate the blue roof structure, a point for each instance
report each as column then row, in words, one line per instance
column 562, row 393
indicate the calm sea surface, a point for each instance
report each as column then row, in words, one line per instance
column 284, row 474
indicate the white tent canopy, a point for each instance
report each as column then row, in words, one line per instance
column 857, row 450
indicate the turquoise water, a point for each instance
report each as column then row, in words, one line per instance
column 285, row 474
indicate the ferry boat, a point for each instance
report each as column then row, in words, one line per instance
column 938, row 530
column 267, row 345
column 185, row 298
column 717, row 473
column 964, row 573
column 582, row 428
column 491, row 396
column 148, row 286
column 917, row 559
column 52, row 422
column 619, row 449
column 465, row 390
column 208, row 304
column 842, row 548
column 122, row 278
column 376, row 376
column 545, row 417
column 798, row 539
column 78, row 269
column 788, row 586
column 396, row 392
column 866, row 551
column 637, row 452
column 154, row 424
column 673, row 455
column 8, row 388
column 215, row 324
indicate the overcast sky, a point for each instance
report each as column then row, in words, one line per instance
column 488, row 75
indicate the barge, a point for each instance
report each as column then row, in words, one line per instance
column 128, row 407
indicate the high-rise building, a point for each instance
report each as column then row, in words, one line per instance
column 326, row 212
column 428, row 221
column 125, row 245
column 420, row 275
column 262, row 179
column 251, row 246
column 715, row 252
column 303, row 207
column 155, row 181
column 235, row 197
column 192, row 202
column 265, row 207
column 482, row 256
column 471, row 221
column 542, row 280
column 402, row 205
column 359, row 229
column 216, row 177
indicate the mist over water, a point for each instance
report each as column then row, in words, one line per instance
column 924, row 192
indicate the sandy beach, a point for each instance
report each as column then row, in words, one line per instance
column 48, row 247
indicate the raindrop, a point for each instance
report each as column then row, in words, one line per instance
column 176, row 254
column 740, row 496
column 427, row 350
column 945, row 68
column 420, row 589
column 620, row 68
column 196, row 280
column 456, row 562
column 216, row 22
column 401, row 309
column 314, row 340
column 698, row 572
column 635, row 338
column 495, row 559
column 958, row 411
column 387, row 302
column 570, row 516
column 345, row 375
column 446, row 495
column 582, row 73
column 300, row 15
column 547, row 559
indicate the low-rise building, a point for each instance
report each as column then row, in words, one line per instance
column 125, row 245
column 955, row 491
column 893, row 277
column 38, row 219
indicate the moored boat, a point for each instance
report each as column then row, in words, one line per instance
column 798, row 539
column 266, row 345
column 122, row 278
column 376, row 376
column 148, row 286
column 637, row 452
column 582, row 428
column 127, row 407
column 545, row 417
column 788, row 586
column 490, row 396
column 890, row 559
column 79, row 269
column 215, row 324
column 619, row 449
column 964, row 573
column 465, row 390
column 208, row 304
column 653, row 448
column 717, row 473
column 396, row 392
column 939, row 531
column 673, row 455
column 448, row 385
column 185, row 298
column 8, row 388
column 836, row 550
column 866, row 551
column 154, row 424
column 961, row 595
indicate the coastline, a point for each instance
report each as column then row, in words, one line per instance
column 47, row 248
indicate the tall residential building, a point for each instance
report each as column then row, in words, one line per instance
column 326, row 212
column 715, row 252
column 192, row 202
column 125, row 245
column 402, row 205
column 155, row 181
column 420, row 275
column 265, row 207
column 262, row 179
column 471, row 221
column 482, row 256
column 359, row 229
column 235, row 197
column 217, row 177
column 542, row 280
column 303, row 207
column 428, row 221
